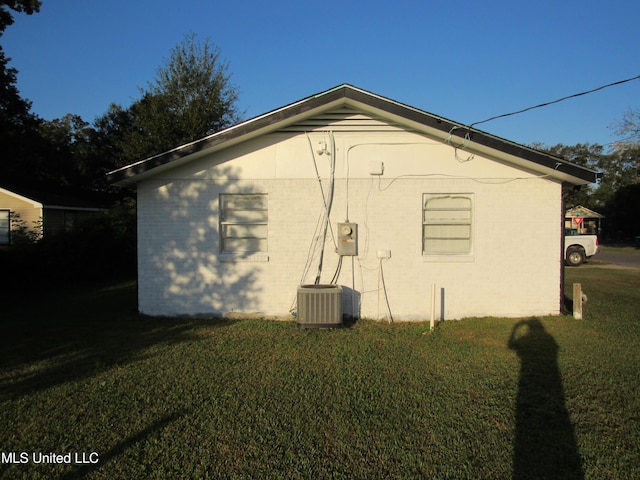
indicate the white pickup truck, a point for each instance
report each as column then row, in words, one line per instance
column 577, row 248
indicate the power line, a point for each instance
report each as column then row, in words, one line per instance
column 556, row 101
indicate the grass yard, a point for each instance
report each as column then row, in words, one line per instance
column 549, row 397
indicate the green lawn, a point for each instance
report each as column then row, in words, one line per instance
column 181, row 398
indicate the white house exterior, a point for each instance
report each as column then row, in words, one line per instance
column 235, row 222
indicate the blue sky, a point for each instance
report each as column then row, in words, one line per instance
column 465, row 60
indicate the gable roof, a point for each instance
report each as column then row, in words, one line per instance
column 21, row 198
column 58, row 200
column 459, row 135
column 580, row 211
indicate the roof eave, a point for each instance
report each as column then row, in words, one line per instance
column 475, row 140
column 240, row 132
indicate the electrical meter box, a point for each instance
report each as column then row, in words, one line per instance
column 348, row 239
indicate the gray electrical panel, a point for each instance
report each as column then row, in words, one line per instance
column 348, row 239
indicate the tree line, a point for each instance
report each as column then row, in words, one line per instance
column 192, row 96
column 617, row 193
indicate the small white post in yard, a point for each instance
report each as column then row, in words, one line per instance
column 577, row 301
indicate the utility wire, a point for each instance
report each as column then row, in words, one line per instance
column 556, row 101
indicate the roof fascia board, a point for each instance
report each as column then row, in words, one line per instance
column 402, row 114
column 79, row 209
column 239, row 133
column 478, row 141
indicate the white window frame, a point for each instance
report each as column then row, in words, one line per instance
column 243, row 228
column 442, row 223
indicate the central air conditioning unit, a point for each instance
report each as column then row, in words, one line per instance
column 320, row 306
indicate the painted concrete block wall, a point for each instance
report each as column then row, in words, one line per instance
column 513, row 270
column 514, row 267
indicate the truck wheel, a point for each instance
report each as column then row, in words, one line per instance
column 575, row 256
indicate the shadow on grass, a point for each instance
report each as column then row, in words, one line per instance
column 567, row 303
column 545, row 443
column 123, row 446
column 78, row 333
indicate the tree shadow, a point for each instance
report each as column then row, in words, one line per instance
column 182, row 267
column 72, row 335
column 545, row 443
column 78, row 333
column 123, row 446
column 567, row 304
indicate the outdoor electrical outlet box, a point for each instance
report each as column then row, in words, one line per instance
column 376, row 167
column 347, row 239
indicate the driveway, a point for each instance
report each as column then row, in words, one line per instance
column 621, row 259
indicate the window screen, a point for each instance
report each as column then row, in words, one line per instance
column 243, row 223
column 446, row 224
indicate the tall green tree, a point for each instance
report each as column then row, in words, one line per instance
column 628, row 129
column 71, row 160
column 617, row 195
column 112, row 133
column 621, row 214
column 628, row 146
column 26, row 6
column 592, row 156
column 18, row 126
column 618, row 168
column 191, row 97
column 621, row 209
column 14, row 111
column 194, row 88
